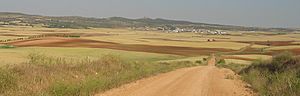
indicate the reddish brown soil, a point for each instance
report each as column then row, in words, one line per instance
column 71, row 42
column 294, row 51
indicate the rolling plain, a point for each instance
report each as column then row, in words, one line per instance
column 20, row 45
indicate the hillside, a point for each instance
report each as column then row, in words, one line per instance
column 7, row 18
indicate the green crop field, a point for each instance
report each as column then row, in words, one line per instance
column 19, row 55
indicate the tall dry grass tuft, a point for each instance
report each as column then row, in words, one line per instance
column 60, row 76
column 7, row 81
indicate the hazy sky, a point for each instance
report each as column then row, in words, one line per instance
column 262, row 13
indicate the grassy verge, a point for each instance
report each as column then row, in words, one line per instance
column 277, row 77
column 58, row 76
column 234, row 67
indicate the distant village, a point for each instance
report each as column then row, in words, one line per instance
column 182, row 30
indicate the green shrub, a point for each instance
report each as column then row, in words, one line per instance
column 7, row 46
column 198, row 62
column 222, row 61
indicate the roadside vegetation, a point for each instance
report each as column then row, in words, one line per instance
column 279, row 76
column 59, row 76
column 233, row 66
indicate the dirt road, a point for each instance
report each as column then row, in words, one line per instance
column 198, row 81
column 212, row 60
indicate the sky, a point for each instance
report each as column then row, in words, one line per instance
column 256, row 13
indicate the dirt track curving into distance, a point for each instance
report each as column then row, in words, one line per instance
column 197, row 81
column 212, row 60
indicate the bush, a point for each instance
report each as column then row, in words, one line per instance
column 277, row 77
column 198, row 62
column 222, row 61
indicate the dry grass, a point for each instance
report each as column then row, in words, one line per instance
column 276, row 77
column 59, row 76
column 7, row 37
column 253, row 56
column 243, row 59
column 200, row 60
column 19, row 55
column 237, row 61
column 296, row 43
column 284, row 47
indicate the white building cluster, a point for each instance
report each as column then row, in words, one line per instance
column 199, row 31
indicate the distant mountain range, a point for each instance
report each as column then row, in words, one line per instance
column 8, row 18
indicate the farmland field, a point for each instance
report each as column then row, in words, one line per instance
column 146, row 53
column 19, row 55
column 149, row 48
column 132, row 42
